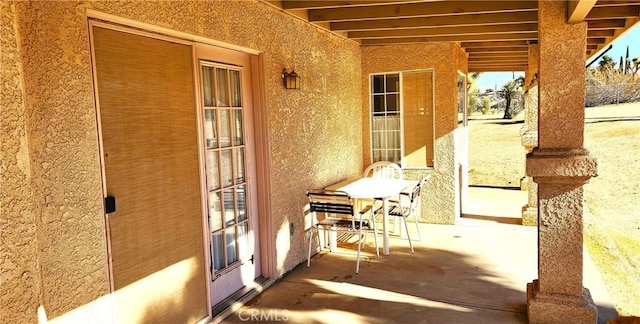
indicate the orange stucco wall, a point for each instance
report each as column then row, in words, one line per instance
column 19, row 265
column 53, row 236
column 53, row 247
column 440, row 203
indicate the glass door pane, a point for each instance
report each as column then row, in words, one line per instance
column 225, row 128
column 218, row 251
column 215, row 211
column 222, row 82
column 225, row 166
column 239, row 167
column 227, row 169
column 210, row 138
column 236, row 127
column 236, row 94
column 241, row 208
column 213, row 172
column 207, row 85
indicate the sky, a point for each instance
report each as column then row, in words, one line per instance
column 495, row 80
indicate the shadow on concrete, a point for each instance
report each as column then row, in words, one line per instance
column 497, row 219
column 494, row 187
column 507, row 122
column 594, row 120
column 430, row 286
column 473, row 272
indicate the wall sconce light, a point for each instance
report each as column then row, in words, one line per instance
column 291, row 80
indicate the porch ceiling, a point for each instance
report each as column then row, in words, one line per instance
column 495, row 34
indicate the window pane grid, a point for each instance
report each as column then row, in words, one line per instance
column 385, row 117
column 228, row 245
column 224, row 165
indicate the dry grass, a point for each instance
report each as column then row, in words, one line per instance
column 612, row 214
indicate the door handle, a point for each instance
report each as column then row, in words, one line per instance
column 109, row 204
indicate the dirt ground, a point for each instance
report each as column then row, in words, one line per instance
column 612, row 209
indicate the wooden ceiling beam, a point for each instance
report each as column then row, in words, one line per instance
column 498, row 49
column 491, row 32
column 323, row 4
column 602, row 42
column 577, row 10
column 597, row 41
column 476, row 44
column 496, row 63
column 422, row 9
column 631, row 11
column 457, row 38
column 615, row 3
column 600, row 33
column 500, row 60
column 438, row 21
column 510, row 61
column 445, row 31
column 520, row 55
column 605, row 24
column 505, row 68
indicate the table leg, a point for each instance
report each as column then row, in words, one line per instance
column 333, row 239
column 385, row 230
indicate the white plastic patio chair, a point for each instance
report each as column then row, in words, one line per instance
column 383, row 169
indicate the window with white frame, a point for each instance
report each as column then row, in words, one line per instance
column 385, row 118
column 402, row 118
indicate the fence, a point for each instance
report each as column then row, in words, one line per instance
column 613, row 93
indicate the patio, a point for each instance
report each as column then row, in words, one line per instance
column 109, row 99
column 472, row 272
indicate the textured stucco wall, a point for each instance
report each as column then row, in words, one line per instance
column 560, row 166
column 531, row 117
column 558, row 91
column 529, row 133
column 314, row 132
column 462, row 143
column 439, row 201
column 531, row 94
column 62, row 146
column 19, row 277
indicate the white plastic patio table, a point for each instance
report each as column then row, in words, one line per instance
column 371, row 188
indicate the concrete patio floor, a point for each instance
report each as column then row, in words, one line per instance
column 473, row 272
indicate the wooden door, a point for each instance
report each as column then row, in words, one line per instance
column 147, row 111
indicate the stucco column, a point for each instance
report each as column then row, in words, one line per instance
column 560, row 166
column 529, row 133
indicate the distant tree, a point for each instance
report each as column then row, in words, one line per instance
column 486, row 105
column 520, row 81
column 473, row 77
column 473, row 91
column 606, row 63
column 627, row 63
column 621, row 66
column 473, row 100
column 508, row 91
column 613, row 83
